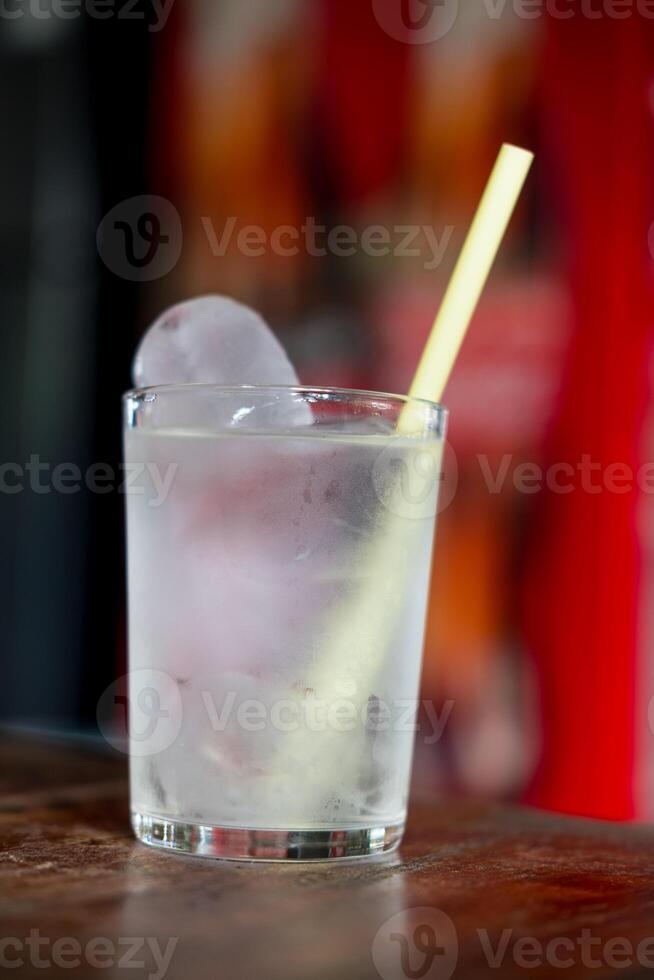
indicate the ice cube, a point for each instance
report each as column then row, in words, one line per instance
column 214, row 340
column 211, row 340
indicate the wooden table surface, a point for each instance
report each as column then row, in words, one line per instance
column 475, row 891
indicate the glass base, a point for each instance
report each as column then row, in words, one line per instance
column 235, row 844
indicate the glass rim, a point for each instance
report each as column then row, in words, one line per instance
column 360, row 393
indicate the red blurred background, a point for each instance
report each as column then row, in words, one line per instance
column 273, row 115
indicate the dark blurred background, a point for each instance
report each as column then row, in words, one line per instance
column 156, row 150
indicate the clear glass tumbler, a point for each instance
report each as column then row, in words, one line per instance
column 279, row 553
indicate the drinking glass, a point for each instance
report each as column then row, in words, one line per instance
column 279, row 554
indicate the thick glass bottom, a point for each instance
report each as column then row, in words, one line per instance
column 245, row 844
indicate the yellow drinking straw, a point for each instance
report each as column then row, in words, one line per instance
column 470, row 275
column 360, row 628
column 348, row 663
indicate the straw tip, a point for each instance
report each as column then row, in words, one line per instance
column 518, row 151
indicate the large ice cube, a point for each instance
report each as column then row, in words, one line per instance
column 211, row 340
column 214, row 340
